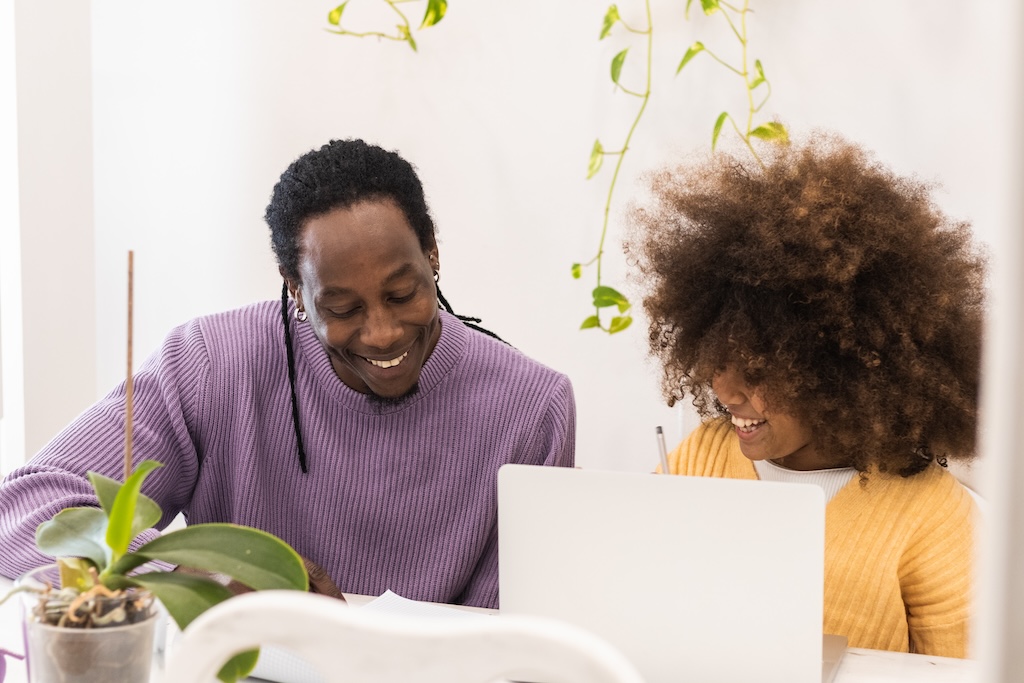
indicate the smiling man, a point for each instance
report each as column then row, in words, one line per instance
column 353, row 418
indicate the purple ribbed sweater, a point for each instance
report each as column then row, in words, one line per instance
column 397, row 497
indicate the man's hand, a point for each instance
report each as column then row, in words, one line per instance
column 320, row 582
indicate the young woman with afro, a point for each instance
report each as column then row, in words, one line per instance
column 826, row 319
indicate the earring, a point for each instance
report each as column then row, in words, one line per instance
column 300, row 315
column 437, row 277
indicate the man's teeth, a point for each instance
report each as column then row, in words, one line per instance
column 746, row 425
column 388, row 363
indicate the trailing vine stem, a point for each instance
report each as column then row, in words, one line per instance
column 434, row 13
column 772, row 131
column 603, row 295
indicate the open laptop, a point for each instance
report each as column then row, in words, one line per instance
column 692, row 578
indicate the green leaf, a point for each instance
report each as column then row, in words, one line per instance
column 76, row 532
column 619, row 323
column 596, row 157
column 76, row 573
column 718, row 128
column 605, row 297
column 694, row 50
column 617, row 61
column 709, row 6
column 577, row 271
column 686, row 14
column 185, row 596
column 773, row 132
column 760, row 75
column 122, row 512
column 250, row 556
column 610, row 17
column 436, row 10
column 239, row 666
column 334, row 17
column 592, row 321
column 147, row 512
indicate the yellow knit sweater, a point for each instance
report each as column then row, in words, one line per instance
column 898, row 551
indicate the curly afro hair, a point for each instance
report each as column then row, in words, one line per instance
column 838, row 288
column 336, row 176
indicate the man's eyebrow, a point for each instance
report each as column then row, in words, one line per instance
column 396, row 274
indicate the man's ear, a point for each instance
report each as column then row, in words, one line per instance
column 294, row 290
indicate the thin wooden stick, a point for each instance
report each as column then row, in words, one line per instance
column 128, row 383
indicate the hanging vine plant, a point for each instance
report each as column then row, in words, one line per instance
column 605, row 296
column 403, row 31
column 754, row 81
column 611, row 308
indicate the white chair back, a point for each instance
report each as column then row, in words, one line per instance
column 345, row 644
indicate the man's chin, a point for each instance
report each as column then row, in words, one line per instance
column 392, row 401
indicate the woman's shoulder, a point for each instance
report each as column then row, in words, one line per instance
column 932, row 493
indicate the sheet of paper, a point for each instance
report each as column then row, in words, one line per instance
column 392, row 603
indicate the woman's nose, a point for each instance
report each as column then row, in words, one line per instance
column 729, row 387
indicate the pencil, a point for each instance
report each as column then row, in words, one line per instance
column 662, row 453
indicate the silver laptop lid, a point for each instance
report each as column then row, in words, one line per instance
column 693, row 578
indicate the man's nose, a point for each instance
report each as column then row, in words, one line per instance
column 381, row 330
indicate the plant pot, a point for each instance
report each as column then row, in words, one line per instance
column 110, row 640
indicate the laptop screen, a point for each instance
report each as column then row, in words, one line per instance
column 695, row 578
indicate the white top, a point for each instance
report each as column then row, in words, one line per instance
column 830, row 480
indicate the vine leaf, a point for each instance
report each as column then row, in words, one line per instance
column 436, row 10
column 694, row 50
column 617, row 61
column 596, row 157
column 760, row 75
column 577, row 271
column 334, row 17
column 709, row 6
column 619, row 323
column 592, row 321
column 773, row 132
column 610, row 17
column 718, row 128
column 605, row 297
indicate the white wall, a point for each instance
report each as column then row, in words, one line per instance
column 198, row 109
column 48, row 286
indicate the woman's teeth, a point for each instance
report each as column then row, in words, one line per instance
column 746, row 425
column 387, row 363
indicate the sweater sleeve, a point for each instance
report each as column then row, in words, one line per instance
column 553, row 445
column 936, row 573
column 165, row 413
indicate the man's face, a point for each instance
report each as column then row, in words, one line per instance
column 368, row 289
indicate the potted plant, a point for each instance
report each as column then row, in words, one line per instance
column 100, row 591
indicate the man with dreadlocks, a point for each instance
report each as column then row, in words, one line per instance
column 353, row 418
column 826, row 318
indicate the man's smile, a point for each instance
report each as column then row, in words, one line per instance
column 389, row 363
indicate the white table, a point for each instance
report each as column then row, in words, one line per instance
column 858, row 666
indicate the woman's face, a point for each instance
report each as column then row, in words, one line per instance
column 763, row 433
column 368, row 288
